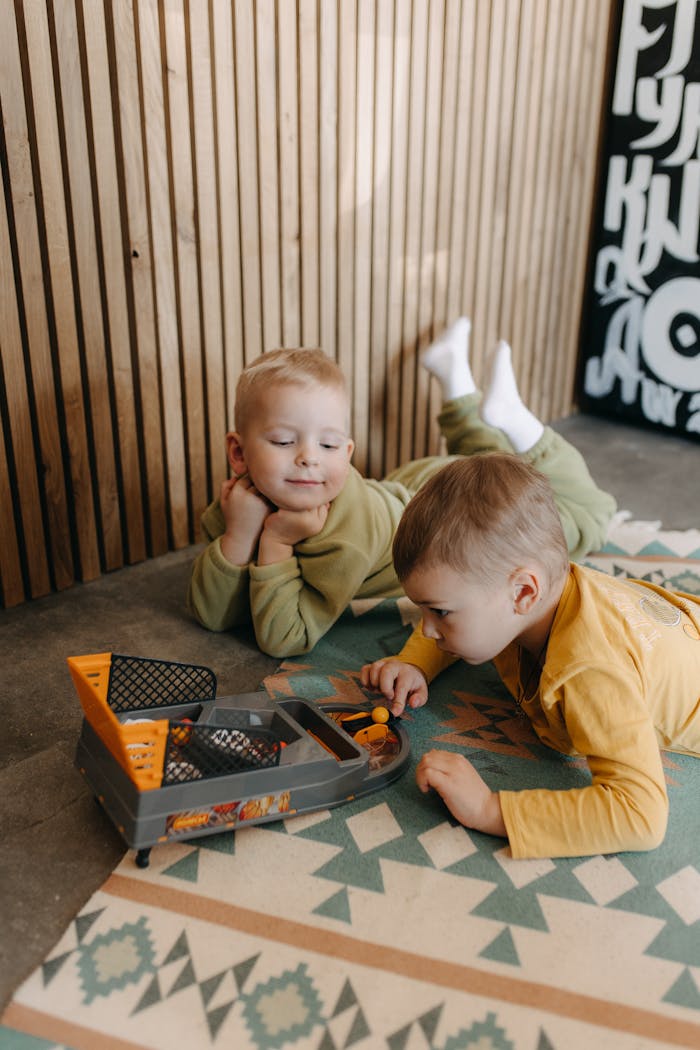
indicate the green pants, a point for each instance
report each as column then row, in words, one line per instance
column 585, row 509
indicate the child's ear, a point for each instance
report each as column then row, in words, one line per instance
column 525, row 586
column 234, row 453
column 351, row 448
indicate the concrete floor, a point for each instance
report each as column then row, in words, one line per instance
column 56, row 846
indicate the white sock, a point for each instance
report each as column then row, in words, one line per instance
column 448, row 360
column 502, row 406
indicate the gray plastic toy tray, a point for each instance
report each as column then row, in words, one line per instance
column 169, row 760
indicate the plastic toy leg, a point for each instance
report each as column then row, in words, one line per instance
column 143, row 857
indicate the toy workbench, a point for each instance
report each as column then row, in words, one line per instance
column 169, row 760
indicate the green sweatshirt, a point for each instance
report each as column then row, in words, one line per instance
column 294, row 602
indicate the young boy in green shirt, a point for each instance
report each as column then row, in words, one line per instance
column 602, row 667
column 297, row 533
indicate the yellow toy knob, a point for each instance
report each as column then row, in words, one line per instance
column 380, row 715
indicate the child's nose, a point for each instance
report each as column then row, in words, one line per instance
column 429, row 630
column 307, row 455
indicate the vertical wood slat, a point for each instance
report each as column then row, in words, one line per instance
column 346, row 176
column 214, row 179
column 450, row 106
column 434, row 116
column 308, row 45
column 506, row 138
column 487, row 272
column 207, row 240
column 526, row 275
column 267, row 73
column 396, row 261
column 60, row 281
column 412, row 245
column 381, row 176
column 459, row 244
column 552, row 216
column 522, row 150
column 328, row 175
column 599, row 19
column 12, row 590
column 246, row 109
column 362, row 210
column 140, row 263
column 568, row 76
column 161, row 246
column 98, row 89
column 31, row 297
column 227, row 173
column 87, row 268
column 183, row 204
column 288, row 108
column 21, row 496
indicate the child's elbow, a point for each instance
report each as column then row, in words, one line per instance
column 656, row 831
column 648, row 830
column 198, row 611
column 210, row 623
column 284, row 648
column 210, row 617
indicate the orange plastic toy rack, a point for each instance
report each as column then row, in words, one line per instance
column 140, row 747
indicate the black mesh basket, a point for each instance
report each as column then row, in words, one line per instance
column 198, row 752
column 136, row 682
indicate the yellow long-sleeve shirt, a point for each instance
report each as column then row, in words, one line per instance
column 621, row 679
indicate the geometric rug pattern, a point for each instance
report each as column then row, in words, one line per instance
column 382, row 922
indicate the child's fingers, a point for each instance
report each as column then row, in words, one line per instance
column 419, row 696
column 425, row 773
column 369, row 675
column 399, row 683
column 434, row 770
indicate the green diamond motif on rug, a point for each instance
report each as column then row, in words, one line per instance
column 115, row 959
column 283, row 1009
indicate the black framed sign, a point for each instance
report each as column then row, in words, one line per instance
column 641, row 331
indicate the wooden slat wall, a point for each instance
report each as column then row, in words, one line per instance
column 188, row 183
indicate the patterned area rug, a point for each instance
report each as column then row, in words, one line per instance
column 382, row 923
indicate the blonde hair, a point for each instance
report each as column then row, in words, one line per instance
column 304, row 367
column 485, row 514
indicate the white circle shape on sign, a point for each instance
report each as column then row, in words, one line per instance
column 681, row 295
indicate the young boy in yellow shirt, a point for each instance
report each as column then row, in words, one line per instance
column 297, row 533
column 605, row 668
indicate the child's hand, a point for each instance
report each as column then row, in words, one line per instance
column 401, row 683
column 292, row 526
column 468, row 798
column 285, row 528
column 245, row 511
